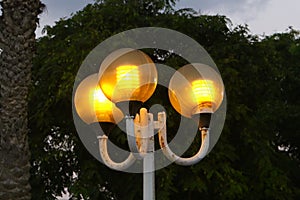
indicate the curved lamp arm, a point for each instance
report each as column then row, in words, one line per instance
column 171, row 155
column 107, row 160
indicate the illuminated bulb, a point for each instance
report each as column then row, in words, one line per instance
column 101, row 104
column 128, row 77
column 196, row 89
column 204, row 93
column 92, row 105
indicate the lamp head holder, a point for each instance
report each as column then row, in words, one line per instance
column 203, row 119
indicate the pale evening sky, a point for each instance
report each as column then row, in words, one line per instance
column 262, row 16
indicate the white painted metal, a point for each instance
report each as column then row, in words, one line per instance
column 149, row 162
column 149, row 176
column 133, row 135
column 171, row 155
column 143, row 125
column 107, row 160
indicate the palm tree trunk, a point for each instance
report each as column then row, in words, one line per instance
column 17, row 38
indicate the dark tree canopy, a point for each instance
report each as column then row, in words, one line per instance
column 257, row 156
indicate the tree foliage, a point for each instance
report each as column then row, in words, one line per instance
column 257, row 156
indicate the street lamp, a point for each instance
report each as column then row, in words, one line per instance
column 128, row 78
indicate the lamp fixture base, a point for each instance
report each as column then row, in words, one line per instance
column 203, row 119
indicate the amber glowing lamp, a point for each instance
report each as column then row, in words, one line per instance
column 91, row 104
column 196, row 90
column 128, row 77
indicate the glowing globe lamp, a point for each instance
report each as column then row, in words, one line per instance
column 128, row 77
column 196, row 89
column 92, row 105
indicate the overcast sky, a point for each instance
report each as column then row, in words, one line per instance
column 262, row 16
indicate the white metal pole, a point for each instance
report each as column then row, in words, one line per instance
column 149, row 176
column 146, row 121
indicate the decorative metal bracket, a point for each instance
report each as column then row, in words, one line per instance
column 172, row 156
column 140, row 135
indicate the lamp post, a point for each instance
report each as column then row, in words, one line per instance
column 126, row 79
